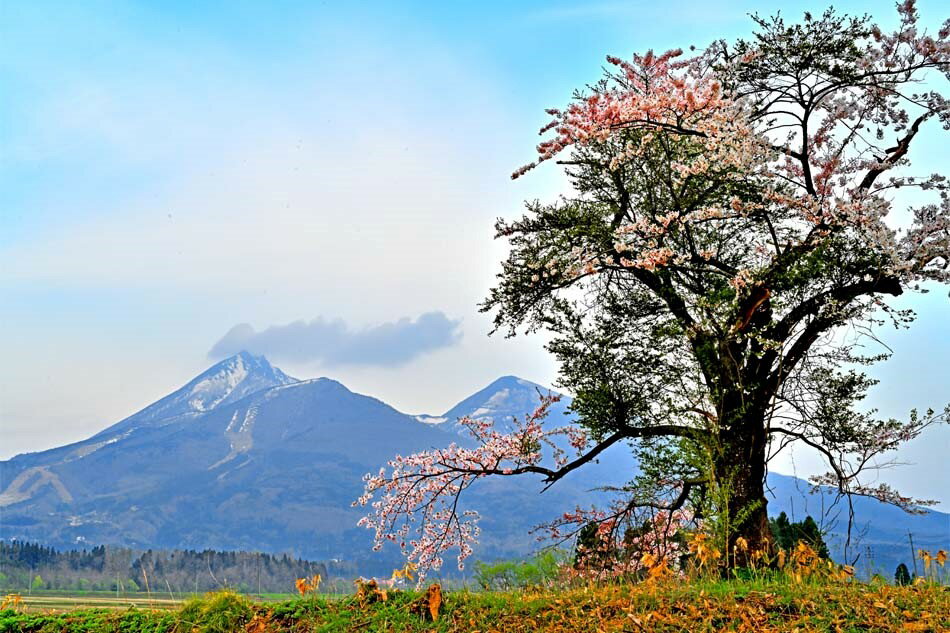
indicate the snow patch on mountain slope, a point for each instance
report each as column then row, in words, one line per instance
column 497, row 405
column 212, row 390
column 230, row 426
column 88, row 449
column 242, row 440
column 430, row 419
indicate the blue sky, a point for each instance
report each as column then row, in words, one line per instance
column 170, row 170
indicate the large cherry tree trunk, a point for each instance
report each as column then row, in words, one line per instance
column 739, row 468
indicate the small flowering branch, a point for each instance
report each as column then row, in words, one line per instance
column 666, row 498
column 652, row 92
column 849, row 456
column 852, row 452
column 425, row 487
column 416, row 503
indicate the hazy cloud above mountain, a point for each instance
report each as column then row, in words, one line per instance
column 334, row 343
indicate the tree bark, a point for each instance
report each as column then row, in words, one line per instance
column 739, row 469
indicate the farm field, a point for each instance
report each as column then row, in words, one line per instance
column 475, row 317
column 38, row 603
column 64, row 601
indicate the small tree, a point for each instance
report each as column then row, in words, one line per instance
column 902, row 575
column 707, row 282
column 787, row 535
column 782, row 530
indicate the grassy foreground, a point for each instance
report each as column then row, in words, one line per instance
column 759, row 606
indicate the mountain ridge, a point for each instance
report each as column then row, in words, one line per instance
column 278, row 466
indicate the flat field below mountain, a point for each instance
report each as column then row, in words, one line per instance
column 697, row 605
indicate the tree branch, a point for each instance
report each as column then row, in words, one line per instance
column 895, row 153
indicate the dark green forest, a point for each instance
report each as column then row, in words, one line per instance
column 26, row 566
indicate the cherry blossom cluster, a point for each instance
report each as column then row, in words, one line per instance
column 652, row 91
column 813, row 182
column 925, row 248
column 851, row 142
column 655, row 96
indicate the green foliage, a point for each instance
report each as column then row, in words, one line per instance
column 88, row 621
column 787, row 535
column 219, row 612
column 540, row 570
column 902, row 575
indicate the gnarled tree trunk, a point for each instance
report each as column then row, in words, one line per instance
column 739, row 470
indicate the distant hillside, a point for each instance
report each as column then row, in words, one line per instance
column 880, row 531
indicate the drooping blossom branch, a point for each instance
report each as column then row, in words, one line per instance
column 416, row 503
column 856, row 452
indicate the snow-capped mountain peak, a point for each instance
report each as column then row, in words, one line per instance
column 223, row 383
column 208, row 392
column 505, row 398
column 232, row 379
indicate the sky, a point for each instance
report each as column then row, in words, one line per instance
column 320, row 181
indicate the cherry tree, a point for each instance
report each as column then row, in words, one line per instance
column 715, row 281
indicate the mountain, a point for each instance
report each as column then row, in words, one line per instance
column 879, row 536
column 506, row 398
column 245, row 457
column 223, row 383
column 228, row 381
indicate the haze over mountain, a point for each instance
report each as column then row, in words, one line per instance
column 245, row 457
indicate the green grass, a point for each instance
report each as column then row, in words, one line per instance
column 699, row 605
